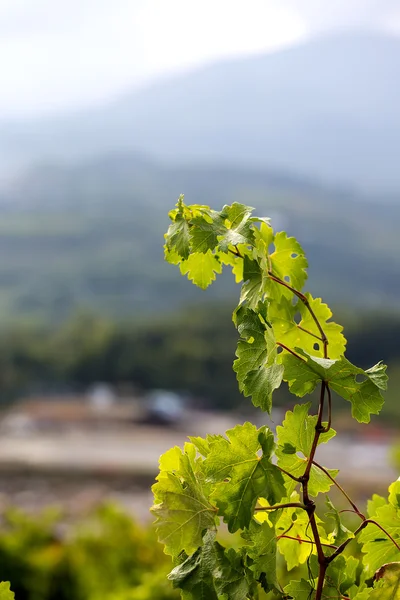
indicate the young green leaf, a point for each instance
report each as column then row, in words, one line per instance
column 261, row 549
column 181, row 506
column 288, row 263
column 211, row 572
column 252, row 288
column 257, row 372
column 295, row 439
column 295, row 523
column 342, row 377
column 201, row 268
column 239, row 229
column 177, row 237
column 203, row 444
column 241, row 475
column 357, row 594
column 340, row 575
column 205, row 229
column 387, row 583
column 304, row 333
column 5, row 592
column 378, row 549
column 299, row 590
column 340, row 533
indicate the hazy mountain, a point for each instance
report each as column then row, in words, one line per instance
column 327, row 109
column 91, row 236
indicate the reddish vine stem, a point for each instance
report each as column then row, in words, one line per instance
column 306, row 303
column 345, row 494
column 328, row 391
column 302, row 541
column 286, row 505
column 291, row 351
column 289, row 474
column 317, row 337
column 319, row 428
column 309, row 505
column 363, row 525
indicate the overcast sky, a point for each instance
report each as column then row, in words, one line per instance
column 58, row 54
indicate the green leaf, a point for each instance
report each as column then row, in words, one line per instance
column 211, row 572
column 239, row 226
column 252, row 288
column 299, row 590
column 177, row 237
column 257, row 373
column 297, row 431
column 340, row 575
column 241, row 475
column 342, row 377
column 205, row 229
column 375, row 503
column 181, row 506
column 340, row 532
column 364, row 594
column 255, row 345
column 261, row 549
column 387, row 583
column 296, row 333
column 295, row 523
column 376, row 546
column 288, row 263
column 394, row 493
column 260, row 385
column 5, row 592
column 201, row 268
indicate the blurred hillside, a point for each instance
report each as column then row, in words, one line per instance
column 90, row 236
column 325, row 109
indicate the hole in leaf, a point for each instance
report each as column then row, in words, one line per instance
column 271, row 249
column 259, row 453
column 294, row 300
column 316, row 346
column 293, row 255
column 297, row 318
column 360, row 378
column 287, row 278
column 300, row 455
column 279, row 349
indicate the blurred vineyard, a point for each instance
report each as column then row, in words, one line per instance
column 106, row 555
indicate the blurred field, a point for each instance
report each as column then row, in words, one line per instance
column 77, row 468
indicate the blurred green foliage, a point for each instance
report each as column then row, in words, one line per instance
column 190, row 351
column 106, row 557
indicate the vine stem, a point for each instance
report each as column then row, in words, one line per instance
column 301, row 541
column 289, row 474
column 306, row 303
column 308, row 504
column 291, row 351
column 345, row 494
column 286, row 505
column 319, row 429
column 363, row 525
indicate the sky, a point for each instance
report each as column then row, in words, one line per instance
column 66, row 54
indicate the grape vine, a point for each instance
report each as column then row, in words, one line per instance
column 264, row 487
